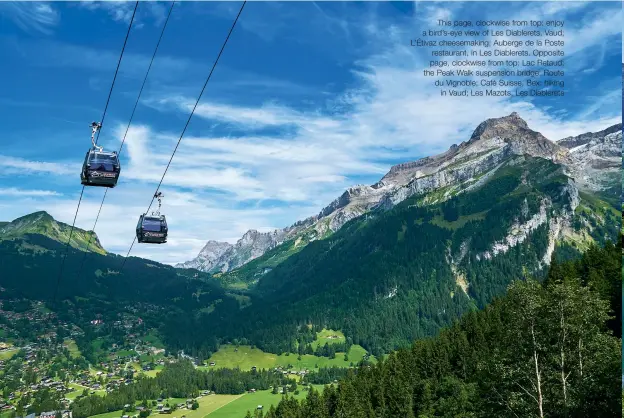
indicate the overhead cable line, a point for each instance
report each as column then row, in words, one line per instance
column 189, row 120
column 136, row 103
column 136, row 5
column 123, row 48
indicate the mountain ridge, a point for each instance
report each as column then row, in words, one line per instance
column 492, row 142
column 43, row 223
column 446, row 239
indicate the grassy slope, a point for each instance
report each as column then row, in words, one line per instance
column 284, row 286
column 207, row 405
column 7, row 354
column 72, row 347
column 246, row 357
column 249, row 401
column 42, row 223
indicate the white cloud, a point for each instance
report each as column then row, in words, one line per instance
column 119, row 11
column 218, row 187
column 191, row 219
column 12, row 191
column 31, row 16
column 12, row 165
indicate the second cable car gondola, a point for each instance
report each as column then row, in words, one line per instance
column 100, row 168
column 152, row 229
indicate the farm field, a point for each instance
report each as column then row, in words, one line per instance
column 207, row 405
column 152, row 373
column 7, row 354
column 72, row 347
column 245, row 357
column 250, row 401
column 114, row 414
column 328, row 336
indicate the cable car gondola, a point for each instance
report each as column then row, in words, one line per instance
column 152, row 229
column 100, row 168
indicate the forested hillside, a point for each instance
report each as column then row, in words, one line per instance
column 385, row 279
column 542, row 350
column 100, row 290
column 390, row 277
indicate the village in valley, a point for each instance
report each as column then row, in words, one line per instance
column 43, row 370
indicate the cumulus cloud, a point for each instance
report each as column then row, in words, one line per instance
column 286, row 163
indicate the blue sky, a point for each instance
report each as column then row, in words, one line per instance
column 308, row 99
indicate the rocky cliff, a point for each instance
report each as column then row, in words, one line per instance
column 592, row 159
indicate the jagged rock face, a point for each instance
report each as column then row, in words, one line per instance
column 460, row 168
column 253, row 244
column 493, row 142
column 208, row 256
column 571, row 142
column 218, row 257
column 596, row 158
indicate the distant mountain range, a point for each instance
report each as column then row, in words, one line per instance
column 592, row 159
column 386, row 264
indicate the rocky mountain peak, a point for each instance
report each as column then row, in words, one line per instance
column 209, row 256
column 582, row 139
column 212, row 245
column 254, row 239
column 504, row 127
column 493, row 142
column 250, row 234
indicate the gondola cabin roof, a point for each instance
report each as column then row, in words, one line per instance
column 153, row 217
column 104, row 155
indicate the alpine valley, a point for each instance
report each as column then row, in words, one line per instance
column 381, row 266
column 386, row 263
column 434, row 238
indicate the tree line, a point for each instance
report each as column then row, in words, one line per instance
column 550, row 349
column 178, row 380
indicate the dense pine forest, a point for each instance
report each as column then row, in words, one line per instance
column 390, row 277
column 550, row 349
column 364, row 280
column 178, row 380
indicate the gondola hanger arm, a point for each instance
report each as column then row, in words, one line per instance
column 95, row 127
